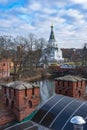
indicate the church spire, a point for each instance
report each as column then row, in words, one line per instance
column 52, row 38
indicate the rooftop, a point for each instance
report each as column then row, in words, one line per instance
column 19, row 85
column 70, row 78
column 55, row 114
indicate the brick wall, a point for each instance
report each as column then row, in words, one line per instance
column 4, row 68
column 68, row 88
column 21, row 102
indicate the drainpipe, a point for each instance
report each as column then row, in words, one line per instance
column 77, row 122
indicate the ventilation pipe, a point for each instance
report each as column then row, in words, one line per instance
column 77, row 122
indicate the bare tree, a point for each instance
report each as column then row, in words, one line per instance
column 24, row 52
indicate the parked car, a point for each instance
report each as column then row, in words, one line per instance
column 67, row 66
column 53, row 64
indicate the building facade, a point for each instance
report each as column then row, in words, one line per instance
column 21, row 98
column 52, row 53
column 4, row 68
column 72, row 86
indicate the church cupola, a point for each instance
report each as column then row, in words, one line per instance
column 51, row 38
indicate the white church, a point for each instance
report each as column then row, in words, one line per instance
column 52, row 53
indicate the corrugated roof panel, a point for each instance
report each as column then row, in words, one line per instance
column 59, row 115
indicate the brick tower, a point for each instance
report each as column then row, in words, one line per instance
column 21, row 98
column 72, row 86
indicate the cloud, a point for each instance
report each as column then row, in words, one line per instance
column 35, row 6
column 83, row 3
column 36, row 17
column 80, row 1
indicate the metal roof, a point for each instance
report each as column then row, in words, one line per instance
column 28, row 125
column 55, row 114
column 58, row 111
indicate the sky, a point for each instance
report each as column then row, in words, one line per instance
column 22, row 17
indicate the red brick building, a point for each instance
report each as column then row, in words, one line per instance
column 20, row 97
column 72, row 86
column 4, row 68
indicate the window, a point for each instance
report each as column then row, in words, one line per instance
column 30, row 104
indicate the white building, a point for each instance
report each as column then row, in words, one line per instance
column 52, row 53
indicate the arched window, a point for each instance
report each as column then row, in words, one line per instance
column 30, row 104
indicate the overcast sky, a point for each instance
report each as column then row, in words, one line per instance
column 21, row 17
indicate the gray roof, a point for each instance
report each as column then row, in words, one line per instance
column 35, row 85
column 70, row 78
column 19, row 85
